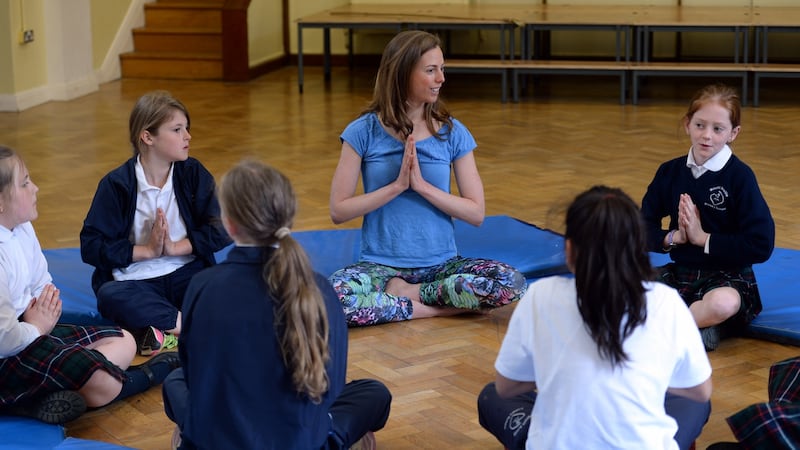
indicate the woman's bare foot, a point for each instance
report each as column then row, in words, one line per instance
column 401, row 288
column 422, row 311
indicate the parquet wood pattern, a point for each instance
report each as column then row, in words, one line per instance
column 565, row 135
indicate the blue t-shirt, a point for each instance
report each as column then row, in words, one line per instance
column 408, row 231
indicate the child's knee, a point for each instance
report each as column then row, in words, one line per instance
column 724, row 301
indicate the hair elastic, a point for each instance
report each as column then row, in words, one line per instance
column 281, row 232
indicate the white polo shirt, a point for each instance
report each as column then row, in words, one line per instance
column 148, row 199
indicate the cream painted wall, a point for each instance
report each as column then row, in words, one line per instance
column 264, row 31
column 29, row 61
column 69, row 49
column 312, row 38
column 107, row 17
column 6, row 38
column 57, row 65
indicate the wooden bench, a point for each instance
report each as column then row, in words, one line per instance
column 515, row 68
column 538, row 66
column 731, row 70
column 491, row 66
column 530, row 20
column 518, row 67
column 771, row 71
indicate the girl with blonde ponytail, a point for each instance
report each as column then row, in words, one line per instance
column 264, row 342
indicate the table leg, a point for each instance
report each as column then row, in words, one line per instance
column 300, row 58
column 326, row 57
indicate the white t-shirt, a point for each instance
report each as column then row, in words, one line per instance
column 582, row 401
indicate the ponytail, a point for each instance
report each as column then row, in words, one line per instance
column 261, row 202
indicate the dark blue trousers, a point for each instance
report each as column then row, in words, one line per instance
column 137, row 304
column 508, row 419
column 362, row 406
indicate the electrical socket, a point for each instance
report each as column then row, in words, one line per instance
column 26, row 37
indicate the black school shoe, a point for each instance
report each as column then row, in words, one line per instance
column 148, row 341
column 711, row 337
column 170, row 361
column 55, row 408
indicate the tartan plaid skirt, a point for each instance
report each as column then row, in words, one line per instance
column 55, row 362
column 693, row 284
column 773, row 424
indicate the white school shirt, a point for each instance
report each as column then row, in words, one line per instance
column 23, row 275
column 714, row 164
column 148, row 199
column 582, row 401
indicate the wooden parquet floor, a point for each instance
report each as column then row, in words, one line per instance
column 564, row 136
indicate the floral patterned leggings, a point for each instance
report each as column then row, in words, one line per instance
column 467, row 283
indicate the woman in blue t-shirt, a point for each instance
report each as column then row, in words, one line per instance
column 403, row 146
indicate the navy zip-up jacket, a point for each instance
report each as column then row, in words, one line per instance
column 105, row 236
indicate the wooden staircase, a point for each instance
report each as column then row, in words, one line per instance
column 190, row 40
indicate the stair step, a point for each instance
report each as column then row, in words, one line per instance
column 178, row 40
column 172, row 55
column 184, row 66
column 181, row 39
column 186, row 3
column 178, row 30
column 182, row 15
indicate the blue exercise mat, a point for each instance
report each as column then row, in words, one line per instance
column 73, row 278
column 778, row 284
column 328, row 250
column 20, row 433
column 534, row 251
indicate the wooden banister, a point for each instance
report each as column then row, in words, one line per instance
column 235, row 57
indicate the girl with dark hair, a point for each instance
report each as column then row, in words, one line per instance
column 719, row 223
column 279, row 373
column 404, row 147
column 594, row 355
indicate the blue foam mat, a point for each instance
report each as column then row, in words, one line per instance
column 20, row 433
column 779, row 286
column 534, row 251
column 73, row 278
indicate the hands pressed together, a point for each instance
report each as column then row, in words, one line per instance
column 690, row 230
column 410, row 174
column 43, row 312
column 159, row 242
